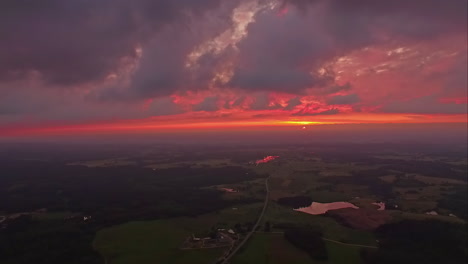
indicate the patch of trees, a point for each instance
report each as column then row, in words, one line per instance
column 26, row 186
column 295, row 201
column 200, row 177
column 327, row 187
column 427, row 168
column 111, row 195
column 342, row 156
column 367, row 178
column 456, row 201
column 308, row 240
column 247, row 156
column 412, row 241
column 389, row 166
column 285, row 225
column 408, row 182
column 243, row 227
column 27, row 241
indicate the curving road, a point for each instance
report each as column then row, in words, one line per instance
column 233, row 252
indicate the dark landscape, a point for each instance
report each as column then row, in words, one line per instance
column 59, row 207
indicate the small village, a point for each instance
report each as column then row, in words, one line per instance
column 219, row 238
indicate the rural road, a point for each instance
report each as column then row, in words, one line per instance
column 226, row 260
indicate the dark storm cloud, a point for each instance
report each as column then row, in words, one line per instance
column 293, row 103
column 209, row 104
column 239, row 101
column 272, row 79
column 411, row 18
column 70, row 106
column 162, row 69
column 344, row 99
column 282, row 53
column 339, row 88
column 278, row 55
column 164, row 106
column 425, row 105
column 456, row 81
column 326, row 112
column 262, row 102
column 74, row 42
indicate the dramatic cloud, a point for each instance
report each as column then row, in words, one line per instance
column 263, row 101
column 326, row 112
column 75, row 61
column 281, row 54
column 426, row 105
column 70, row 42
column 358, row 20
column 344, row 99
column 209, row 104
column 292, row 103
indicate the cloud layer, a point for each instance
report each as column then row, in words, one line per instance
column 85, row 61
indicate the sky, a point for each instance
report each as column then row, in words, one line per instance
column 82, row 67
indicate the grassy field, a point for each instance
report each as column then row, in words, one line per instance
column 342, row 254
column 159, row 241
column 248, row 189
column 272, row 248
column 399, row 215
column 228, row 217
column 149, row 242
column 265, row 248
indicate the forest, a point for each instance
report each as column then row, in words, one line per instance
column 429, row 241
column 110, row 195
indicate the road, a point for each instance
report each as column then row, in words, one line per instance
column 233, row 252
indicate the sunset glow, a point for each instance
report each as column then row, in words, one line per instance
column 249, row 65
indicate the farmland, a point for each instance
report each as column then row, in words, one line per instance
column 141, row 206
column 149, row 242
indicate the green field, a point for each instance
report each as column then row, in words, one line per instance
column 149, row 242
column 265, row 248
column 342, row 254
column 159, row 241
column 272, row 248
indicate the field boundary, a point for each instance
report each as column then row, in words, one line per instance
column 347, row 244
column 326, row 239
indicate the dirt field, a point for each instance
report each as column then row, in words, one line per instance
column 321, row 208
